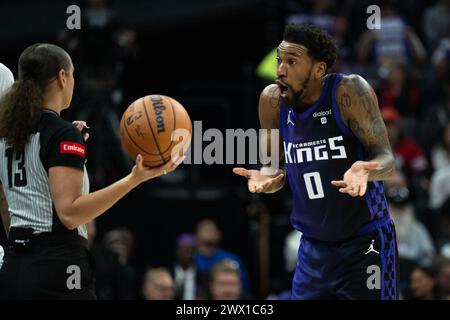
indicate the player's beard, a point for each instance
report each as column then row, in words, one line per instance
column 297, row 96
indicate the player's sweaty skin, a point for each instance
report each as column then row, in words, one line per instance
column 359, row 109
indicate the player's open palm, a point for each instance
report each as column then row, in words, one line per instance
column 258, row 182
column 355, row 179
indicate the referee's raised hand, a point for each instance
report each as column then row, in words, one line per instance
column 82, row 126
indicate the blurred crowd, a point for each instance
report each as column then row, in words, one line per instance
column 407, row 62
column 201, row 268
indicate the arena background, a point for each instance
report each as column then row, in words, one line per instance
column 206, row 55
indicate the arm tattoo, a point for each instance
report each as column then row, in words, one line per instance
column 356, row 129
column 345, row 101
column 275, row 98
column 378, row 128
column 359, row 105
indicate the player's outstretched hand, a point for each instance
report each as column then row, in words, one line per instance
column 258, row 182
column 141, row 173
column 355, row 178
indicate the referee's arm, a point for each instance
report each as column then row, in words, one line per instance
column 4, row 210
column 6, row 81
column 74, row 209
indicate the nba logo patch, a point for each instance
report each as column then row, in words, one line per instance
column 323, row 120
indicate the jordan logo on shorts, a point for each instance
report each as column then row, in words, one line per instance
column 371, row 249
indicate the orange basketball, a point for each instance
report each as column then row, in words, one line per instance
column 157, row 127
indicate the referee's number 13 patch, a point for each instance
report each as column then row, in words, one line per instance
column 72, row 147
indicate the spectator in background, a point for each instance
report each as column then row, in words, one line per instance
column 410, row 159
column 120, row 241
column 409, row 156
column 399, row 91
column 437, row 117
column 283, row 289
column 332, row 16
column 441, row 58
column 440, row 153
column 225, row 281
column 113, row 281
column 184, row 271
column 443, row 229
column 101, row 47
column 415, row 245
column 444, row 278
column 291, row 244
column 343, row 37
column 209, row 253
column 439, row 188
column 413, row 239
column 158, row 285
column 321, row 13
column 395, row 42
column 423, row 283
column 412, row 12
column 436, row 23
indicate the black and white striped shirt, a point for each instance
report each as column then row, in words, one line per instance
column 24, row 176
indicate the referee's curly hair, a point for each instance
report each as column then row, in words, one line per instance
column 320, row 45
column 21, row 105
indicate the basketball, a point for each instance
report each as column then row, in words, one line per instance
column 157, row 127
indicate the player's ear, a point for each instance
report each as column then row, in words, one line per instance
column 320, row 69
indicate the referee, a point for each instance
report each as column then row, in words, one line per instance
column 6, row 80
column 43, row 175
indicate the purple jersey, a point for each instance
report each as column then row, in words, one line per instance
column 319, row 148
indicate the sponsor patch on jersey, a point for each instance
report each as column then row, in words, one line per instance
column 72, row 147
column 322, row 113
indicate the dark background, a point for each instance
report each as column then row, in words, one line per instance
column 204, row 52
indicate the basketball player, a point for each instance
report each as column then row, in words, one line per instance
column 42, row 171
column 336, row 154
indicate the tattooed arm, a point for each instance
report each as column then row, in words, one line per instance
column 359, row 109
column 360, row 112
column 4, row 210
column 269, row 117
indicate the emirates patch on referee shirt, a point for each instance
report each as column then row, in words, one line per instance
column 72, row 147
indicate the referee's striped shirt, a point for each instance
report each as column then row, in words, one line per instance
column 24, row 177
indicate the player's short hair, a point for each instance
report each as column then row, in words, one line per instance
column 320, row 45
